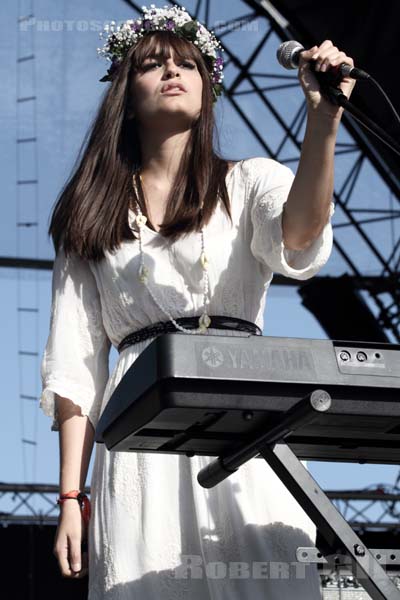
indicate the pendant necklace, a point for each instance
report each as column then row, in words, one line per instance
column 143, row 271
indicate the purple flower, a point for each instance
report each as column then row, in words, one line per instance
column 170, row 24
column 135, row 26
column 219, row 61
column 113, row 69
column 147, row 24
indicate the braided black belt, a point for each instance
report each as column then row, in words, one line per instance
column 217, row 322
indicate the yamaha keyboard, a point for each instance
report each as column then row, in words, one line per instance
column 276, row 399
column 207, row 394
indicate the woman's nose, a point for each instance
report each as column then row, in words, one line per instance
column 171, row 70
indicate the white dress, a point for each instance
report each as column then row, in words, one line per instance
column 155, row 533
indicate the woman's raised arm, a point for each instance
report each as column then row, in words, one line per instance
column 307, row 208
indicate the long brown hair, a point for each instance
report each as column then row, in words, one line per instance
column 91, row 213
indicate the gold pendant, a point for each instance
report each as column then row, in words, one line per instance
column 204, row 261
column 143, row 273
column 141, row 220
column 204, row 321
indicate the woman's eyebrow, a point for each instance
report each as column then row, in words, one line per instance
column 160, row 56
column 155, row 55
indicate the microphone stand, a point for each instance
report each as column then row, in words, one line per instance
column 336, row 96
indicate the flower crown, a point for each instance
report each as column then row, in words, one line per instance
column 170, row 18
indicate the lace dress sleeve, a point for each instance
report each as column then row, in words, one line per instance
column 270, row 183
column 75, row 360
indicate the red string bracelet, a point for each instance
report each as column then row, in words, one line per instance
column 83, row 500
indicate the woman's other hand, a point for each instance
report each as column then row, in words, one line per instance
column 73, row 562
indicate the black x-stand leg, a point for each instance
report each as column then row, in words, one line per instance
column 339, row 536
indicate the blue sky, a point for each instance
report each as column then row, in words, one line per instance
column 67, row 71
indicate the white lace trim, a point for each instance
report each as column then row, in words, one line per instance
column 267, row 242
column 78, row 394
column 303, row 264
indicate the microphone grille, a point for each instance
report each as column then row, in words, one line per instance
column 287, row 54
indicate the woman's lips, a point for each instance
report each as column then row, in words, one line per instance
column 173, row 91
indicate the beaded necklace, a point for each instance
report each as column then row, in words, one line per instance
column 143, row 271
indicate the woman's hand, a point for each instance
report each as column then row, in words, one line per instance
column 325, row 57
column 72, row 561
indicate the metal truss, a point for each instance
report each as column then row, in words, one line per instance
column 18, row 503
column 268, row 112
column 376, row 508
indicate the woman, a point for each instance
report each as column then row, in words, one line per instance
column 155, row 226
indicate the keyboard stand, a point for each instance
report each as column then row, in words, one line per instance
column 339, row 536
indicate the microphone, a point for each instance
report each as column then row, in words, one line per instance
column 288, row 55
